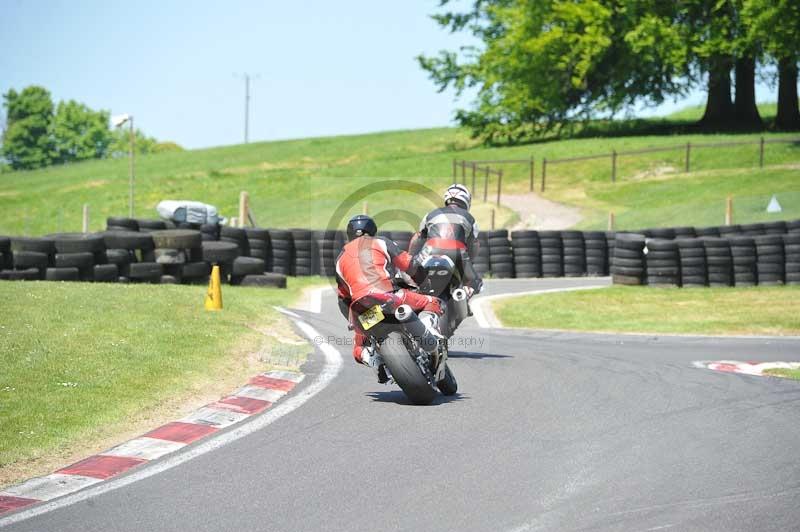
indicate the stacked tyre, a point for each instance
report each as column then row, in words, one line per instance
column 662, row 262
column 693, row 267
column 770, row 259
column 501, row 257
column 627, row 265
column 481, row 262
column 31, row 257
column 259, row 244
column 777, row 227
column 753, row 229
column 220, row 253
column 596, row 253
column 743, row 255
column 210, row 231
column 282, row 251
column 684, row 232
column 791, row 246
column 527, row 253
column 179, row 252
column 6, row 262
column 306, row 261
column 574, row 253
column 148, row 226
column 793, row 226
column 326, row 251
column 552, row 253
column 665, row 233
column 117, row 223
column 727, row 231
column 133, row 253
column 80, row 257
column 703, row 232
column 719, row 261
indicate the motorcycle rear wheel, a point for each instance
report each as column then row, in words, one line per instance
column 405, row 371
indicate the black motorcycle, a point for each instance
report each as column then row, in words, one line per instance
column 414, row 355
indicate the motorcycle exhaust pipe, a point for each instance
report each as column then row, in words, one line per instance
column 416, row 328
column 460, row 307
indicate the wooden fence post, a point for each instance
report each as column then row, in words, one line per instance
column 454, row 169
column 85, row 225
column 499, row 186
column 611, row 221
column 492, row 219
column 472, row 190
column 365, row 208
column 532, row 170
column 243, row 202
column 613, row 166
column 463, row 169
column 486, row 185
column 688, row 155
column 729, row 210
column 761, row 154
column 544, row 172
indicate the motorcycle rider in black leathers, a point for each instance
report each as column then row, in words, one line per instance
column 451, row 231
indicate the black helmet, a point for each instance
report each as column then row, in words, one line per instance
column 361, row 225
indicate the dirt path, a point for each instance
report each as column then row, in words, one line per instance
column 536, row 212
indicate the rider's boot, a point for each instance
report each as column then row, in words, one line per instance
column 373, row 359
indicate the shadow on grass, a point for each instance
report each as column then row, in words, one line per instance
column 398, row 397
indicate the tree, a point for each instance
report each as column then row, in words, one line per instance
column 774, row 25
column 79, row 133
column 27, row 142
column 545, row 64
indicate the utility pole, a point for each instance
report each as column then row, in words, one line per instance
column 246, row 106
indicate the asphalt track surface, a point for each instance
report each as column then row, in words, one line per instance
column 549, row 431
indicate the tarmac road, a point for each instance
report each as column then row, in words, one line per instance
column 549, row 431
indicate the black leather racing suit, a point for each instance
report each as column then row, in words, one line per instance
column 450, row 231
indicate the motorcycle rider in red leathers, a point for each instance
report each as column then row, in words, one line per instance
column 451, row 231
column 365, row 271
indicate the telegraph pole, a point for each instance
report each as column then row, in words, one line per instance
column 246, row 106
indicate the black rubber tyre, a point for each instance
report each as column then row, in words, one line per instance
column 149, row 271
column 29, row 274
column 128, row 240
column 215, row 252
column 169, row 255
column 78, row 242
column 765, row 267
column 624, row 253
column 62, row 274
column 195, row 270
column 105, row 273
column 119, row 256
column 272, row 280
column 620, row 270
column 74, row 260
column 630, row 280
column 169, row 279
column 448, row 385
column 627, row 263
column 405, row 371
column 38, row 245
column 177, row 238
column 128, row 223
column 247, row 266
column 30, row 259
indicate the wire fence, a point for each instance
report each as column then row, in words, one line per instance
column 483, row 168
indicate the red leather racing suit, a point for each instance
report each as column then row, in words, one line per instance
column 365, row 272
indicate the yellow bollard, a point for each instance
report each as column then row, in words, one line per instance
column 214, row 295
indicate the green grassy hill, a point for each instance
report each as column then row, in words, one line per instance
column 304, row 182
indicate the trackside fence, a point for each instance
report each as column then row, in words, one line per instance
column 482, row 167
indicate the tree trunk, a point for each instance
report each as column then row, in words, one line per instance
column 788, row 117
column 745, row 108
column 719, row 107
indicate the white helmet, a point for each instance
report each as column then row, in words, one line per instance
column 459, row 193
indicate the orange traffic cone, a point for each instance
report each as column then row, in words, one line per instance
column 214, row 294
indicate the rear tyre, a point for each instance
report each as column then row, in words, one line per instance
column 405, row 371
column 448, row 385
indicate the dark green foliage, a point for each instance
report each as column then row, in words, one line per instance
column 79, row 133
column 27, row 142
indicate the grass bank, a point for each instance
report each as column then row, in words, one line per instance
column 84, row 364
column 757, row 310
column 320, row 182
column 793, row 374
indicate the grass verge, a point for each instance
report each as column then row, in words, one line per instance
column 88, row 365
column 755, row 311
column 793, row 374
